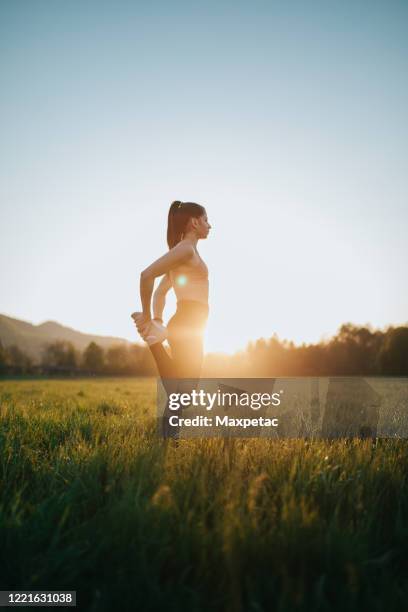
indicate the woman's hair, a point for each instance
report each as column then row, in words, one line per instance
column 179, row 215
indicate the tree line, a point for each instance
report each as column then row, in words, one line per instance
column 61, row 357
column 353, row 351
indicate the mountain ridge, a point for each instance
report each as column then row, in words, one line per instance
column 32, row 338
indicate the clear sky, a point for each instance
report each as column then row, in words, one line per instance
column 287, row 120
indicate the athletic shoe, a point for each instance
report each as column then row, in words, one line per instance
column 157, row 332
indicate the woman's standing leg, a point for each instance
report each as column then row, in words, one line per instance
column 180, row 373
column 187, row 352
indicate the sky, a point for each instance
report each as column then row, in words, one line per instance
column 286, row 120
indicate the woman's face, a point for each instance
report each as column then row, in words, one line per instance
column 203, row 227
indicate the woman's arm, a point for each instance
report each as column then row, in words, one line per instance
column 159, row 297
column 178, row 255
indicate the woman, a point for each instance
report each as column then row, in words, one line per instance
column 183, row 269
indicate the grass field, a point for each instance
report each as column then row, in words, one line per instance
column 91, row 500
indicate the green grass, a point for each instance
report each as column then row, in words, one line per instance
column 92, row 500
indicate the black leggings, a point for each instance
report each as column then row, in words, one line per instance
column 185, row 337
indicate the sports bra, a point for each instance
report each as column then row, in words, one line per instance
column 191, row 281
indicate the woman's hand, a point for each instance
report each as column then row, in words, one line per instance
column 142, row 323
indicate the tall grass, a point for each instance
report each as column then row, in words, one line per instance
column 92, row 500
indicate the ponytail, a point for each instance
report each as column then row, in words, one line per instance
column 179, row 215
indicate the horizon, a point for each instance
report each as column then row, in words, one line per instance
column 207, row 352
column 286, row 122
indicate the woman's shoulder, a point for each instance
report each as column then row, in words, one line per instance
column 183, row 247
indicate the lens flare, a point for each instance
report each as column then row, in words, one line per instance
column 181, row 280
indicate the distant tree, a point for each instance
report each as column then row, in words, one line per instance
column 93, row 358
column 18, row 359
column 130, row 359
column 60, row 354
column 4, row 358
column 141, row 361
column 394, row 353
column 117, row 359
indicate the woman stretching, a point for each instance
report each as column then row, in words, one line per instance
column 183, row 269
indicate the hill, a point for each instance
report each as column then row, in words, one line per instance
column 32, row 338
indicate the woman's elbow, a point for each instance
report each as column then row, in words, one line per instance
column 145, row 276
